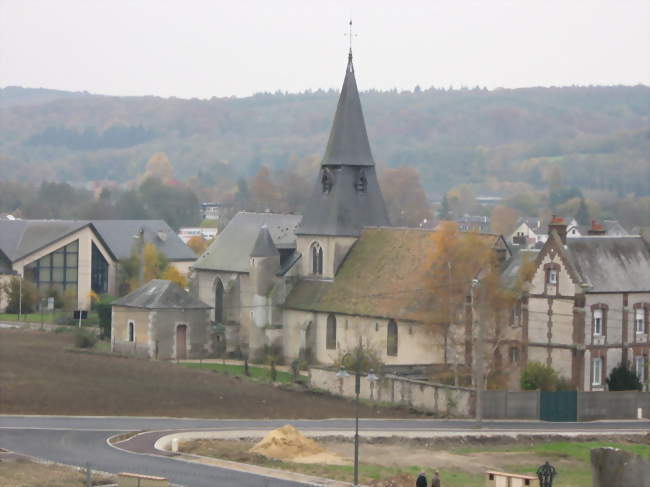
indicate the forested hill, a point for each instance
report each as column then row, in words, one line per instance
column 599, row 137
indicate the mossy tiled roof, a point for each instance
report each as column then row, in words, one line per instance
column 386, row 274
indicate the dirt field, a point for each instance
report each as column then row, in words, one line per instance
column 462, row 462
column 24, row 473
column 38, row 376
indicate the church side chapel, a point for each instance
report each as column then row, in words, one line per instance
column 311, row 287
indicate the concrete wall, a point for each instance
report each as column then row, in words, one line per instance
column 511, row 405
column 591, row 405
column 612, row 405
column 423, row 396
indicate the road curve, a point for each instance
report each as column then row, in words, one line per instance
column 77, row 440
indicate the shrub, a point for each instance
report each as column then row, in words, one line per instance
column 84, row 338
column 104, row 310
column 29, row 296
column 539, row 376
column 623, row 378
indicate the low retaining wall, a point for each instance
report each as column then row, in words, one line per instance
column 424, row 396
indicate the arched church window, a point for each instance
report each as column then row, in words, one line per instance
column 327, row 181
column 218, row 301
column 391, row 341
column 362, row 182
column 316, row 259
column 331, row 333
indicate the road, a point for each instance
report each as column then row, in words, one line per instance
column 79, row 440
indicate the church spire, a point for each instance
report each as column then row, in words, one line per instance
column 347, row 196
column 348, row 142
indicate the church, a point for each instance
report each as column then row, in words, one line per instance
column 312, row 287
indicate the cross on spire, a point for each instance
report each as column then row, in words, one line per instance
column 350, row 35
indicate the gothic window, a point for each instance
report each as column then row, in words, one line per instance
column 391, row 342
column 218, row 301
column 327, row 181
column 361, row 183
column 331, row 333
column 316, row 259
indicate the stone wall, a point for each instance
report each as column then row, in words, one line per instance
column 424, row 396
column 612, row 467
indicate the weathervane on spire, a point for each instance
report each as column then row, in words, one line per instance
column 350, row 35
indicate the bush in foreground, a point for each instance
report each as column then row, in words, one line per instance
column 84, row 338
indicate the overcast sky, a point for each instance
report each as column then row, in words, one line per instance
column 192, row 48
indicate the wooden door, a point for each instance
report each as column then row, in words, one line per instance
column 181, row 342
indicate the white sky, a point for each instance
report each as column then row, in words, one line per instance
column 196, row 48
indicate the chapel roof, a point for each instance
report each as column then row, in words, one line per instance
column 160, row 294
column 232, row 248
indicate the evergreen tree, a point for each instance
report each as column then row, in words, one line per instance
column 444, row 213
column 582, row 215
column 623, row 378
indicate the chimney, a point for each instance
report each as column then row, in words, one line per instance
column 596, row 228
column 521, row 240
column 558, row 224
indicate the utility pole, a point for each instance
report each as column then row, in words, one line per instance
column 479, row 372
column 20, row 297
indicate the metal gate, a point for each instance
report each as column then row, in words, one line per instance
column 558, row 406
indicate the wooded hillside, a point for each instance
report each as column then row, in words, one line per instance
column 598, row 137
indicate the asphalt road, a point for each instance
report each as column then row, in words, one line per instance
column 79, row 440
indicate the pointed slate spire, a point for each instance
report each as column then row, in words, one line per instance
column 264, row 246
column 348, row 143
column 346, row 196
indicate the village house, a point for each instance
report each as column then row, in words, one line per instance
column 80, row 256
column 588, row 305
column 162, row 321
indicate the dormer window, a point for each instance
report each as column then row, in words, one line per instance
column 327, row 180
column 552, row 276
column 361, row 184
column 316, row 259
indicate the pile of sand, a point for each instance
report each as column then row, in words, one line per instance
column 289, row 444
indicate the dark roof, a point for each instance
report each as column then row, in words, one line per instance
column 118, row 235
column 511, row 273
column 231, row 249
column 19, row 238
column 386, row 274
column 344, row 210
column 160, row 294
column 611, row 264
column 5, row 264
column 264, row 246
column 348, row 143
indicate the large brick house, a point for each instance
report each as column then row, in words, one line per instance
column 588, row 306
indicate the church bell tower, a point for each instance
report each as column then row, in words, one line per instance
column 346, row 196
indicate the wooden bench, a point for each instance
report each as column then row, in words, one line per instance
column 503, row 479
column 125, row 479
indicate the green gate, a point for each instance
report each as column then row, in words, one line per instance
column 558, row 406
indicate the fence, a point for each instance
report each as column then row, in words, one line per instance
column 588, row 405
column 439, row 399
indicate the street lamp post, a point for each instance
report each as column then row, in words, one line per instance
column 479, row 355
column 342, row 373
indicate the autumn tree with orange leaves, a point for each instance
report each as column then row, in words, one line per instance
column 458, row 259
